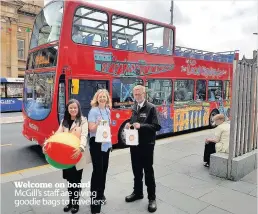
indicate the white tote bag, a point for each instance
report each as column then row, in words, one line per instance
column 103, row 134
column 132, row 137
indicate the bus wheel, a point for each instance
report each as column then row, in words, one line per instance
column 121, row 135
column 213, row 113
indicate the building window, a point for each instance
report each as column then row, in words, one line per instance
column 21, row 47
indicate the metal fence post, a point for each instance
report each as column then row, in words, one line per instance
column 239, row 145
column 250, row 102
column 233, row 122
column 255, row 115
column 244, row 111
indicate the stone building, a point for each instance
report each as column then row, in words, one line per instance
column 17, row 18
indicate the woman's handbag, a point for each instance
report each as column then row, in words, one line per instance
column 103, row 134
column 132, row 137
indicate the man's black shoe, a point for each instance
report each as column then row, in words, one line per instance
column 68, row 207
column 133, row 197
column 104, row 200
column 152, row 206
column 75, row 209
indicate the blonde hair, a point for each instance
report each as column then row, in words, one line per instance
column 219, row 117
column 139, row 87
column 94, row 101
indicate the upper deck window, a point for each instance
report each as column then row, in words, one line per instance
column 127, row 34
column 47, row 25
column 159, row 40
column 90, row 27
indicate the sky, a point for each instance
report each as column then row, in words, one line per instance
column 207, row 25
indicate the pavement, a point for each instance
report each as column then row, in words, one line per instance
column 13, row 117
column 184, row 185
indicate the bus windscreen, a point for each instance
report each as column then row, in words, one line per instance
column 47, row 25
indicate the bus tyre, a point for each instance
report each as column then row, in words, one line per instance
column 211, row 122
column 121, row 135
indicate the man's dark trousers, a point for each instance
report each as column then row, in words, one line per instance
column 142, row 159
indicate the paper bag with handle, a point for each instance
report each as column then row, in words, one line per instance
column 132, row 137
column 103, row 134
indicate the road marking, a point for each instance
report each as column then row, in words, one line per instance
column 6, row 144
column 23, row 170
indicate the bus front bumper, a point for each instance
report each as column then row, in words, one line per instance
column 33, row 135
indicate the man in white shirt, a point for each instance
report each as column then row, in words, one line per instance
column 220, row 141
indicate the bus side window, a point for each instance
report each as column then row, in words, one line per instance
column 3, row 90
column 61, row 98
column 183, row 90
column 127, row 34
column 214, row 90
column 90, row 27
column 200, row 90
column 159, row 39
column 14, row 90
column 159, row 91
column 226, row 87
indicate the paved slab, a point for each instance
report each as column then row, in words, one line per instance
column 183, row 185
column 14, row 119
column 213, row 210
column 231, row 200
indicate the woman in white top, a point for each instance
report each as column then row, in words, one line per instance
column 220, row 141
column 76, row 124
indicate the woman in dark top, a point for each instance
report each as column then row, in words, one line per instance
column 75, row 123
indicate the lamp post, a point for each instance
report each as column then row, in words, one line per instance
column 172, row 13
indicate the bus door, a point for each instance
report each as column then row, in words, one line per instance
column 84, row 90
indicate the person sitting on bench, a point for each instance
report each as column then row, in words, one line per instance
column 220, row 141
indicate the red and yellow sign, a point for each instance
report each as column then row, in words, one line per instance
column 42, row 60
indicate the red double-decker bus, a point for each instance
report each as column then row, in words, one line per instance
column 77, row 48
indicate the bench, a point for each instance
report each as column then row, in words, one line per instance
column 241, row 166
